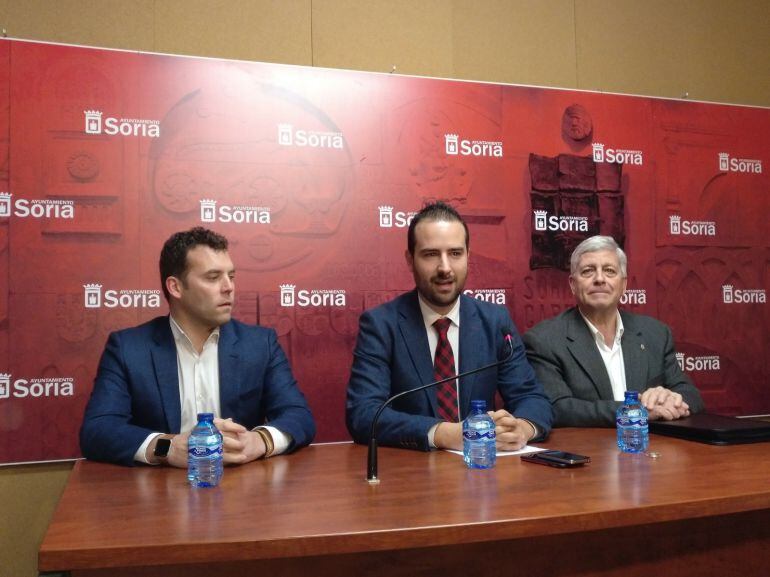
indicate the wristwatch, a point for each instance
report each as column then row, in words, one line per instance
column 162, row 445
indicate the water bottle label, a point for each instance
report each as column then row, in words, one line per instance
column 473, row 435
column 631, row 422
column 205, row 451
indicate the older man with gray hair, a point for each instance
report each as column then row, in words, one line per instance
column 589, row 355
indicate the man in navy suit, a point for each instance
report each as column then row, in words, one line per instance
column 154, row 379
column 589, row 355
column 397, row 344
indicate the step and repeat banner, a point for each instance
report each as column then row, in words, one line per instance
column 314, row 175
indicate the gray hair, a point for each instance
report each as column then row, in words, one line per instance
column 595, row 244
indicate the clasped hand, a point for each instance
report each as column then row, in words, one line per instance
column 664, row 404
column 240, row 445
column 511, row 433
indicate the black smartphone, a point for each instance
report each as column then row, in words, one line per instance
column 556, row 459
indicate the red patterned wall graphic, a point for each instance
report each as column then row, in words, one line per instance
column 313, row 175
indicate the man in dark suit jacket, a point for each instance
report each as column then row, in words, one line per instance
column 397, row 342
column 589, row 355
column 153, row 379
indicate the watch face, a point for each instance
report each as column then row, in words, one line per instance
column 161, row 447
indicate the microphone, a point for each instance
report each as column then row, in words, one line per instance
column 371, row 473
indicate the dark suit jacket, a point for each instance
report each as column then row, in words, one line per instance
column 567, row 361
column 392, row 355
column 137, row 389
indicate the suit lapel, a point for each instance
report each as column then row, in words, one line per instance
column 412, row 328
column 228, row 372
column 164, row 363
column 634, row 355
column 470, row 350
column 583, row 350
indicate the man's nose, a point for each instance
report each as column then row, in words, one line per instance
column 228, row 285
column 443, row 264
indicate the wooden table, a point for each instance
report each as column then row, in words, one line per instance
column 696, row 510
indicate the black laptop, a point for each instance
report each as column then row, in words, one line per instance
column 714, row 429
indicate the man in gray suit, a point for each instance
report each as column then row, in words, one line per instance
column 589, row 355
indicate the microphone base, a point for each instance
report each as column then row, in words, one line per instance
column 373, row 481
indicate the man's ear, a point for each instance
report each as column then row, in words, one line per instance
column 174, row 287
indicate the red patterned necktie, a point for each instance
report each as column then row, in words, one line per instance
column 443, row 367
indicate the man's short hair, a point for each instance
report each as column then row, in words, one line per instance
column 436, row 211
column 595, row 244
column 173, row 255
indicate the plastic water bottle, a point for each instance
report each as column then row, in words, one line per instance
column 204, row 453
column 633, row 431
column 479, row 448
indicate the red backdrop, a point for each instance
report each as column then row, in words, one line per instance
column 312, row 174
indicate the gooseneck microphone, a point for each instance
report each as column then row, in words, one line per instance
column 371, row 472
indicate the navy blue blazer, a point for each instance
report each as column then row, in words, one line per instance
column 568, row 363
column 392, row 355
column 136, row 391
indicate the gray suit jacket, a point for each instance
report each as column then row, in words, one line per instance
column 568, row 363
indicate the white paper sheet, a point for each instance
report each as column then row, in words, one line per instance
column 525, row 451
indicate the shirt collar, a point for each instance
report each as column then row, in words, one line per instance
column 181, row 338
column 598, row 337
column 429, row 316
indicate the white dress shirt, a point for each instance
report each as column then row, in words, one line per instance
column 198, row 376
column 612, row 357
